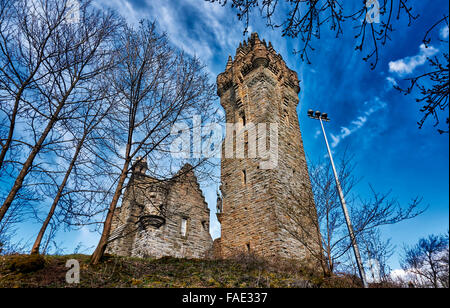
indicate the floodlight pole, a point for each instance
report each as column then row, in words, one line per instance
column 362, row 273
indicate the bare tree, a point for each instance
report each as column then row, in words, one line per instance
column 374, row 22
column 18, row 69
column 367, row 215
column 156, row 86
column 305, row 20
column 376, row 253
column 433, row 85
column 9, row 228
column 69, row 56
column 81, row 128
column 428, row 261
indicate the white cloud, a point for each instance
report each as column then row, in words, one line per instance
column 399, row 274
column 403, row 277
column 345, row 132
column 317, row 133
column 178, row 33
column 376, row 105
column 407, row 65
column 124, row 7
column 335, row 140
column 444, row 33
column 358, row 123
column 392, row 81
column 169, row 17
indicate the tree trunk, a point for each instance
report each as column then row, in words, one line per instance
column 12, row 125
column 18, row 97
column 26, row 167
column 37, row 147
column 101, row 247
column 40, row 236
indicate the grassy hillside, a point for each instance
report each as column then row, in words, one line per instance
column 50, row 271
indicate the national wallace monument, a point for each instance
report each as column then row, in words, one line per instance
column 256, row 87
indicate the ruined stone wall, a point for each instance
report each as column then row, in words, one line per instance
column 176, row 200
column 257, row 87
column 123, row 225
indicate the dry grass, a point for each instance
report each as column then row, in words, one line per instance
column 242, row 271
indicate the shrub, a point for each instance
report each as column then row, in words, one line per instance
column 25, row 263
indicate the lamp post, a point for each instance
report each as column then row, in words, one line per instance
column 324, row 117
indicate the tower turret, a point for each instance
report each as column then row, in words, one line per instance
column 140, row 166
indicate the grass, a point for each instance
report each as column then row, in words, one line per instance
column 167, row 272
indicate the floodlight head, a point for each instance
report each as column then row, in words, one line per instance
column 325, row 116
column 317, row 114
column 310, row 113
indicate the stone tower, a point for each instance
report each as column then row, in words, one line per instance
column 256, row 198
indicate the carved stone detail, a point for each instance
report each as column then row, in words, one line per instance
column 251, row 55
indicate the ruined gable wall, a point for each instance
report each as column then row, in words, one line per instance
column 173, row 200
column 183, row 201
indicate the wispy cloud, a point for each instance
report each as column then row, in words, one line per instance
column 198, row 28
column 357, row 123
column 124, row 7
column 391, row 81
column 444, row 32
column 408, row 65
column 317, row 133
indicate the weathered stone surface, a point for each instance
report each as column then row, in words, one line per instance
column 258, row 87
column 176, row 200
column 216, row 249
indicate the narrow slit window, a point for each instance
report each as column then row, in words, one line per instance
column 248, row 247
column 242, row 119
column 183, row 227
column 244, row 177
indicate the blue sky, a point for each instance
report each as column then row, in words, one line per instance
column 375, row 121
